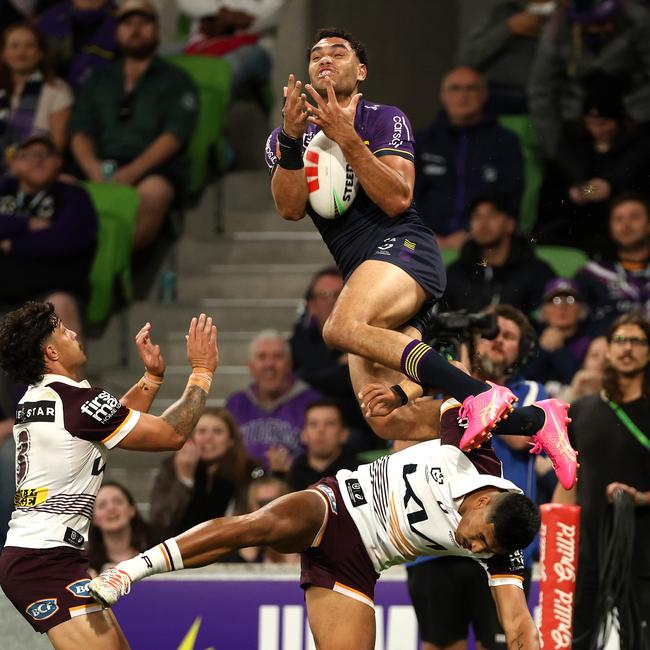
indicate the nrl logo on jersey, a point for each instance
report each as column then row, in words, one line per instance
column 102, row 407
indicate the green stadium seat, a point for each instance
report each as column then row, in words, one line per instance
column 564, row 260
column 531, row 151
column 212, row 78
column 448, row 256
column 117, row 207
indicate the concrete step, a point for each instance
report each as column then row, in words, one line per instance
column 247, row 281
column 227, row 379
column 233, row 348
column 276, row 247
column 259, row 220
column 229, row 314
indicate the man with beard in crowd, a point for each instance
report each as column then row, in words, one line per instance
column 133, row 120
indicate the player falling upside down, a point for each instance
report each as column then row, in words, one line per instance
column 388, row 257
column 430, row 499
column 64, row 428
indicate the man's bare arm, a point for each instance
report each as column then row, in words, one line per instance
column 518, row 625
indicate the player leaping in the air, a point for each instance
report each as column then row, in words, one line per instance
column 430, row 499
column 389, row 258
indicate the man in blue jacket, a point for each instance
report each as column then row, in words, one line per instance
column 462, row 155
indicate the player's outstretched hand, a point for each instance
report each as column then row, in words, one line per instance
column 201, row 339
column 378, row 400
column 294, row 112
column 149, row 352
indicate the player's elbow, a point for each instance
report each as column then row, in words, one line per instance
column 397, row 206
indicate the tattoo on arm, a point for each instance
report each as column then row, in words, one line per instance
column 185, row 413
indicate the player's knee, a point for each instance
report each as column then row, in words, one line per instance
column 339, row 332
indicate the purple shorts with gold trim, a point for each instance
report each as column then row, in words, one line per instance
column 47, row 586
column 338, row 560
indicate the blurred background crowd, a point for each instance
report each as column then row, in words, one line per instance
column 532, row 168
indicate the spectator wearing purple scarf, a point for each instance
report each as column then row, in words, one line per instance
column 81, row 37
column 32, row 99
column 271, row 411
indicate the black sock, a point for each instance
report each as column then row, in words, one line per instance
column 524, row 421
column 424, row 365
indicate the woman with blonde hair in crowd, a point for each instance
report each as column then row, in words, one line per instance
column 206, row 478
column 32, row 99
column 117, row 530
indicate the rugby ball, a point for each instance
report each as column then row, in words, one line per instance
column 331, row 182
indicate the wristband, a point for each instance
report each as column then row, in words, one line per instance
column 150, row 382
column 290, row 151
column 201, row 377
column 399, row 391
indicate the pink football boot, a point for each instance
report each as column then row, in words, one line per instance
column 553, row 439
column 482, row 412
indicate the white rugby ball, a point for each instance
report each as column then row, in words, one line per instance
column 331, row 182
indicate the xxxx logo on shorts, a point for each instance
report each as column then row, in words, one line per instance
column 42, row 609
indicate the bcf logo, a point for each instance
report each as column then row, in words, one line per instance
column 79, row 588
column 42, row 609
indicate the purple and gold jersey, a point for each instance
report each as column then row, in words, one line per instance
column 406, row 505
column 354, row 237
column 62, row 431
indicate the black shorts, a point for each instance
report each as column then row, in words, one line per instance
column 415, row 250
column 338, row 560
column 449, row 593
column 47, row 586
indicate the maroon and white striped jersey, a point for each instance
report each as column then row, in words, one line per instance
column 406, row 505
column 62, row 431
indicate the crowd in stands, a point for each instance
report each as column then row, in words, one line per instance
column 84, row 96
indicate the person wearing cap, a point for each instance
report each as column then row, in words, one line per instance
column 580, row 38
column 617, row 280
column 564, row 334
column 132, row 121
column 496, row 265
column 48, row 232
column 80, row 36
column 598, row 158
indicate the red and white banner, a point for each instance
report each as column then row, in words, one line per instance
column 559, row 538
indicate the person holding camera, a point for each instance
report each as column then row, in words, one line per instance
column 496, row 359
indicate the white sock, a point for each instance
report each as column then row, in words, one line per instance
column 160, row 559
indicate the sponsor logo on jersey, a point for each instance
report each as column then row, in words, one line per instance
column 437, row 475
column 30, row 497
column 42, row 609
column 42, row 411
column 329, row 493
column 357, row 497
column 74, row 538
column 385, row 246
column 79, row 588
column 398, row 127
column 102, row 407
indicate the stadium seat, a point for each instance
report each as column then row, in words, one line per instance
column 531, row 151
column 448, row 256
column 212, row 78
column 117, row 207
column 564, row 260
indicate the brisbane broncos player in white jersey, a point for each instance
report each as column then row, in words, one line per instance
column 430, row 499
column 63, row 430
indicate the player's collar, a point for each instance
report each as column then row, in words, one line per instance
column 50, row 378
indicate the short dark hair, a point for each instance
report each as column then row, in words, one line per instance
column 325, row 402
column 336, row 32
column 496, row 200
column 327, row 271
column 516, row 521
column 22, row 334
column 625, row 197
